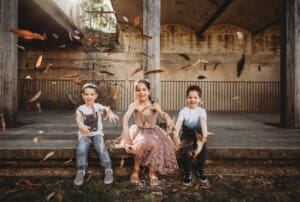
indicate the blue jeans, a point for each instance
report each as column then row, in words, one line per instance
column 82, row 150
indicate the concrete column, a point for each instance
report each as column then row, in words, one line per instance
column 151, row 27
column 290, row 65
column 8, row 61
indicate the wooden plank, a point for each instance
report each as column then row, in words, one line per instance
column 151, row 27
column 8, row 62
column 290, row 65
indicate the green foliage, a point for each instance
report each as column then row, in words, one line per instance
column 92, row 16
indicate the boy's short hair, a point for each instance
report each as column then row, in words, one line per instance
column 89, row 85
column 194, row 88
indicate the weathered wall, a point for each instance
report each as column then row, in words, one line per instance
column 220, row 47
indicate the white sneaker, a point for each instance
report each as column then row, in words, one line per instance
column 108, row 176
column 79, row 179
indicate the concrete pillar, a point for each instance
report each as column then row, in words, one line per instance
column 8, row 61
column 151, row 27
column 290, row 65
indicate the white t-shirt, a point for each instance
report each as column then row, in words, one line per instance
column 88, row 111
column 191, row 117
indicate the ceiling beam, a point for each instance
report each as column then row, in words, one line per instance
column 57, row 14
column 266, row 26
column 218, row 12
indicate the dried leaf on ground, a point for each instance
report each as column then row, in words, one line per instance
column 50, row 196
column 91, row 40
column 59, row 196
column 36, row 96
column 39, row 61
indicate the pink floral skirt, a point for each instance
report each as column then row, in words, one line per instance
column 152, row 146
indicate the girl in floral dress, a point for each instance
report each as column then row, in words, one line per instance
column 150, row 145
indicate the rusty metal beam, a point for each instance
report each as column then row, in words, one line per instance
column 266, row 26
column 218, row 12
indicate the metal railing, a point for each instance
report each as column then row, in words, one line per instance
column 220, row 96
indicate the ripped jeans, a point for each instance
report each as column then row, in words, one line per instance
column 82, row 150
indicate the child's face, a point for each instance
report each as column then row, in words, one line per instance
column 89, row 96
column 193, row 99
column 142, row 92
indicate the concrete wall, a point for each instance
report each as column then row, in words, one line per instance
column 220, row 46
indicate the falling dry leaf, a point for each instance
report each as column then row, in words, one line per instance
column 39, row 61
column 55, row 35
column 201, row 77
column 144, row 37
column 79, row 80
column 236, row 97
column 48, row 155
column 125, row 18
column 186, row 66
column 147, row 55
column 36, row 96
column 240, row 65
column 68, row 161
column 122, row 162
column 107, row 72
column 70, row 36
column 3, row 124
column 71, row 99
column 184, row 56
column 21, row 47
column 216, row 65
column 154, row 71
column 137, row 20
column 47, row 68
column 138, row 69
column 26, row 34
column 91, row 40
column 38, row 106
column 117, row 95
column 71, row 75
column 240, row 35
column 37, row 139
column 28, row 77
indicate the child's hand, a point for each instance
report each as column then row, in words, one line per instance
column 85, row 130
column 110, row 115
column 177, row 143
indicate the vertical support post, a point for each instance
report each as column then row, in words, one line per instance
column 8, row 61
column 151, row 27
column 290, row 65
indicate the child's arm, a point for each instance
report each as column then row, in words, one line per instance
column 83, row 128
column 109, row 114
column 126, row 117
column 176, row 134
column 203, row 123
column 165, row 116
